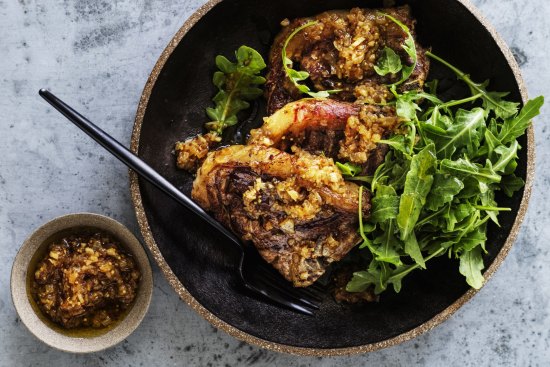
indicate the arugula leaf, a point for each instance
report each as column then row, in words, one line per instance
column 491, row 142
column 388, row 63
column 489, row 203
column 386, row 251
column 417, row 186
column 462, row 167
column 444, row 188
column 472, row 239
column 349, row 169
column 515, row 127
column 471, row 265
column 384, row 205
column 397, row 142
column 456, row 214
column 238, row 83
column 296, row 76
column 382, row 272
column 492, row 101
column 406, row 106
column 505, row 156
column 413, row 250
column 410, row 49
column 465, row 133
column 360, row 281
column 511, row 184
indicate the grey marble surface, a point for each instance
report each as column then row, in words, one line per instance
column 98, row 55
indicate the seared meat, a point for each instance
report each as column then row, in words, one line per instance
column 339, row 130
column 296, row 208
column 339, row 52
column 290, row 124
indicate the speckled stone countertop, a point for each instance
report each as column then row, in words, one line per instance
column 97, row 55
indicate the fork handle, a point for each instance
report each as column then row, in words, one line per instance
column 134, row 162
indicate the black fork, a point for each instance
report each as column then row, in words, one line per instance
column 257, row 276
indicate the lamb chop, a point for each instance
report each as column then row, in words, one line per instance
column 296, row 208
column 339, row 52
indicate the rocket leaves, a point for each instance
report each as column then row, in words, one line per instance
column 444, row 188
column 513, row 127
column 417, row 187
column 390, row 63
column 435, row 192
column 349, row 169
column 471, row 264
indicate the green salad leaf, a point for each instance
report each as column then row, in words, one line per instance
column 417, row 187
column 238, row 83
column 437, row 189
column 471, row 264
column 444, row 189
column 513, row 128
column 349, row 169
column 390, row 63
column 385, row 205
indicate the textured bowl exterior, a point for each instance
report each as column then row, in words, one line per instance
column 37, row 241
column 190, row 296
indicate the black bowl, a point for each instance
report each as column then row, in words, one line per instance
column 200, row 264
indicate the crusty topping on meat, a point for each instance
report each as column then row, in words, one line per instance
column 363, row 132
column 357, row 40
column 319, row 170
column 370, row 92
column 191, row 152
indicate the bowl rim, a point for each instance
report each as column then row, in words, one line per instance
column 20, row 299
column 251, row 339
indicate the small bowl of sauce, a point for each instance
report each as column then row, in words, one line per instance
column 81, row 283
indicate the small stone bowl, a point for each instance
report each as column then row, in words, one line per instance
column 83, row 340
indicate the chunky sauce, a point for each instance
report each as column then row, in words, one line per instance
column 85, row 280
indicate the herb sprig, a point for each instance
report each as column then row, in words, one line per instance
column 435, row 192
column 238, row 83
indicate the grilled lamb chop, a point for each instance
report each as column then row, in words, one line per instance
column 296, row 208
column 339, row 52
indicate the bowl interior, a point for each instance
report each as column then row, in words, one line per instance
column 33, row 250
column 203, row 261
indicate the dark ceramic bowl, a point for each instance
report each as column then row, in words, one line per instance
column 199, row 264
